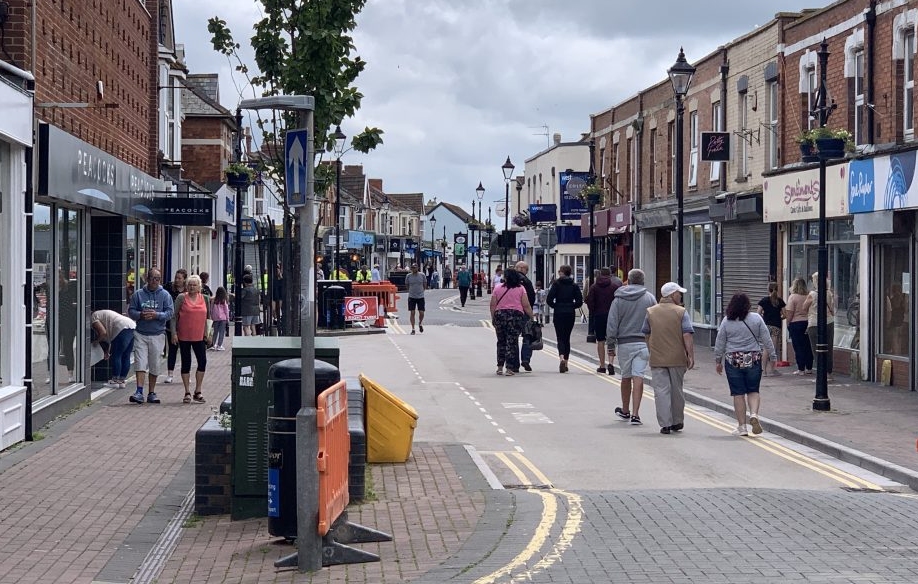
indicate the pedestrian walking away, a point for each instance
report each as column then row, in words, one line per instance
column 115, row 334
column 509, row 309
column 522, row 269
column 564, row 298
column 219, row 313
column 375, row 275
column 192, row 309
column 151, row 308
column 741, row 338
column 797, row 321
column 175, row 287
column 417, row 284
column 670, row 341
column 463, row 282
column 599, row 300
column 250, row 306
column 624, row 336
column 771, row 309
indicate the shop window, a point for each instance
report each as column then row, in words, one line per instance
column 843, row 275
column 578, row 264
column 698, row 266
column 895, row 293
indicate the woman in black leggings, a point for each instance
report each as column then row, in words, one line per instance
column 564, row 298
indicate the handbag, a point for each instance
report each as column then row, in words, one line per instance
column 532, row 335
column 209, row 332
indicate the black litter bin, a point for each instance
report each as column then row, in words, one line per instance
column 284, row 380
column 331, row 294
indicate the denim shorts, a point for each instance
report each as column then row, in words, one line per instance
column 743, row 380
column 633, row 359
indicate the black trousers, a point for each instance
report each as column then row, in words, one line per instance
column 463, row 293
column 564, row 325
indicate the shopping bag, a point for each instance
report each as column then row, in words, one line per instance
column 532, row 335
column 209, row 332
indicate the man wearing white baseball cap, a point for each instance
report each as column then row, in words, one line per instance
column 672, row 352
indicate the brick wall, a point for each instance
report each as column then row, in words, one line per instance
column 79, row 43
column 213, row 467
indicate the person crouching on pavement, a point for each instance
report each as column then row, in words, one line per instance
column 509, row 309
column 672, row 352
column 623, row 332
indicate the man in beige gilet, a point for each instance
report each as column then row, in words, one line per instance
column 672, row 352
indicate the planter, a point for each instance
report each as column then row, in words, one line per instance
column 592, row 198
column 238, row 180
column 808, row 152
column 830, row 148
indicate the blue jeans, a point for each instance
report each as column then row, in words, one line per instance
column 122, row 347
column 743, row 381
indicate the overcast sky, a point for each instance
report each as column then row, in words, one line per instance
column 458, row 85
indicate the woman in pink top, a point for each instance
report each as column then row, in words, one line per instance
column 188, row 326
column 796, row 327
column 509, row 309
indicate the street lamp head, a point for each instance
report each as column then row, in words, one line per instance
column 508, row 168
column 340, row 139
column 433, row 220
column 480, row 191
column 385, row 203
column 681, row 75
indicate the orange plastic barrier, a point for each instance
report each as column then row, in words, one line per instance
column 386, row 294
column 334, row 454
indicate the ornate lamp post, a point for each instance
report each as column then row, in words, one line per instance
column 473, row 227
column 680, row 75
column 385, row 227
column 821, row 401
column 340, row 138
column 507, row 169
column 489, row 228
column 433, row 258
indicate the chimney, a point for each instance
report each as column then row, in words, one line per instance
column 375, row 183
column 556, row 138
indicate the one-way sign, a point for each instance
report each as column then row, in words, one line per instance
column 295, row 162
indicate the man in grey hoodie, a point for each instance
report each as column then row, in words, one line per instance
column 623, row 332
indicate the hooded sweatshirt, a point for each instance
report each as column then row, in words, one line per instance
column 626, row 316
column 564, row 296
column 602, row 292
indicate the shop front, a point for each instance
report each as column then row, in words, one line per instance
column 883, row 198
column 745, row 243
column 95, row 231
column 15, row 166
column 791, row 201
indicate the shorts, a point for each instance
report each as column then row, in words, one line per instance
column 633, row 359
column 599, row 327
column 416, row 303
column 251, row 320
column 745, row 380
column 148, row 352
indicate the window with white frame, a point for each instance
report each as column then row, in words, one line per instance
column 578, row 264
column 602, row 165
column 908, row 94
column 653, row 162
column 693, row 149
column 616, row 185
column 812, row 89
column 633, row 194
column 860, row 109
column 716, row 127
column 671, row 136
column 742, row 167
column 773, row 124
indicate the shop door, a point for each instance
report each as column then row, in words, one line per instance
column 746, row 248
column 893, row 309
column 664, row 246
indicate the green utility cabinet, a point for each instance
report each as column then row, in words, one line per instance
column 251, row 397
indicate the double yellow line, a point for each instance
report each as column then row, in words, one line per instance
column 550, row 498
column 827, row 470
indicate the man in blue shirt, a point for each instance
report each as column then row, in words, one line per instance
column 151, row 306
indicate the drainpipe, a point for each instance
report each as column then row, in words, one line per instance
column 871, row 18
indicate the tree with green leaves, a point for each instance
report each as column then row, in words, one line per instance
column 304, row 47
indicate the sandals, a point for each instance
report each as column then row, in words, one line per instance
column 198, row 398
column 186, row 399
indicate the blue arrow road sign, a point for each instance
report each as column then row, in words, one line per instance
column 295, row 160
column 521, row 248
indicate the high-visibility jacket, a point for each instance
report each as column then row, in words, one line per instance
column 364, row 276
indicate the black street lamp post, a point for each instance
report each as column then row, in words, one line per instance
column 821, row 401
column 489, row 228
column 473, row 227
column 507, row 169
column 433, row 257
column 680, row 75
column 385, row 227
column 339, row 150
column 237, row 277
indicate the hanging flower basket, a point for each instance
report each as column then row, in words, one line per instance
column 522, row 219
column 592, row 194
column 239, row 175
column 808, row 152
column 830, row 148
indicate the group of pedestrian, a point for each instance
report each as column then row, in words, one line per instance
column 801, row 313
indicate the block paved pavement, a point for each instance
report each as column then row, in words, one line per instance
column 95, row 498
